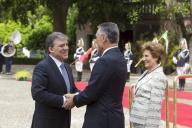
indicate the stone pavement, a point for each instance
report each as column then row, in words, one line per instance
column 17, row 106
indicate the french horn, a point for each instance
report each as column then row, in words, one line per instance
column 9, row 50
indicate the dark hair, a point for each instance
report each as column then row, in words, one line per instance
column 156, row 50
column 52, row 37
column 111, row 30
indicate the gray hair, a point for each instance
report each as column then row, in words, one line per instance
column 111, row 30
column 52, row 37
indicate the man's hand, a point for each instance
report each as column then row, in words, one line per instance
column 69, row 101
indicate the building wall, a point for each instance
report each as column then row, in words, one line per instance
column 85, row 32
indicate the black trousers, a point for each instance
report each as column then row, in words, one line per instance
column 128, row 76
column 181, row 84
column 79, row 76
column 8, row 63
column 1, row 62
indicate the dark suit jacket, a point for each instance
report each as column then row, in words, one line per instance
column 103, row 95
column 48, row 88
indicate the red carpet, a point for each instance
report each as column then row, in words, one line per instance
column 181, row 94
column 184, row 111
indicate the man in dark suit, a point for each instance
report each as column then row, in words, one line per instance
column 52, row 78
column 103, row 95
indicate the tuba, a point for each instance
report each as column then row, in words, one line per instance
column 9, row 50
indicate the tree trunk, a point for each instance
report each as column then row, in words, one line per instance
column 60, row 12
column 191, row 7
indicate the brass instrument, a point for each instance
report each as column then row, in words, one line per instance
column 9, row 50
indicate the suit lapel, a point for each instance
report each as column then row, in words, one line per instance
column 142, row 80
column 145, row 77
column 56, row 70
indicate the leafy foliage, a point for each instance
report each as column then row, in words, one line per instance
column 169, row 8
column 101, row 11
column 39, row 33
column 33, row 35
column 36, row 18
column 16, row 9
column 10, row 27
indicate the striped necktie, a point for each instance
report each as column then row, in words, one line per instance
column 65, row 76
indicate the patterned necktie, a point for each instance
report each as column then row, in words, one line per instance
column 65, row 76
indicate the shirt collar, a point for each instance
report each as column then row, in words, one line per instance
column 108, row 49
column 57, row 62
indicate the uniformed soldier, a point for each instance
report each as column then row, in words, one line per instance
column 181, row 59
column 79, row 64
column 9, row 60
column 94, row 55
column 129, row 57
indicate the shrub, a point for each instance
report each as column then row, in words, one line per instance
column 23, row 75
column 27, row 61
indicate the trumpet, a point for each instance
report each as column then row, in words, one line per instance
column 139, row 62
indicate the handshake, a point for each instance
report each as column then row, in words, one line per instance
column 68, row 104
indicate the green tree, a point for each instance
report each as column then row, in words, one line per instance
column 101, row 11
column 36, row 39
column 175, row 11
column 59, row 11
column 18, row 10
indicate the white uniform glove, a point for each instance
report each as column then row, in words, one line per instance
column 174, row 60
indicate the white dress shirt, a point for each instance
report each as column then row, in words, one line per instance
column 58, row 63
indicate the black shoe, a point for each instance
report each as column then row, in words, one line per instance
column 8, row 73
column 2, row 72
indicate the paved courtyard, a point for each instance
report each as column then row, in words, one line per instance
column 17, row 106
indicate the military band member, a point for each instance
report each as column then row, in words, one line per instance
column 79, row 64
column 94, row 55
column 1, row 57
column 9, row 60
column 181, row 59
column 129, row 58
